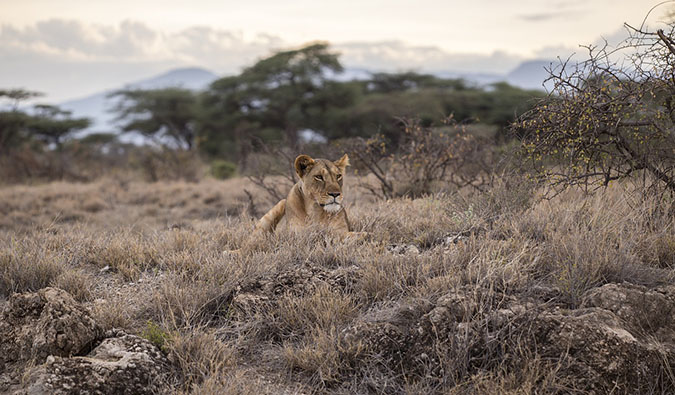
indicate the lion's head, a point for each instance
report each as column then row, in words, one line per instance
column 322, row 180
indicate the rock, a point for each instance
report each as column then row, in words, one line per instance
column 391, row 334
column 50, row 329
column 48, row 322
column 124, row 364
column 297, row 281
column 593, row 349
column 248, row 304
column 596, row 349
column 302, row 280
column 403, row 249
column 644, row 310
column 451, row 240
column 458, row 307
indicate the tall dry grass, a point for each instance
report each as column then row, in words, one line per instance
column 270, row 319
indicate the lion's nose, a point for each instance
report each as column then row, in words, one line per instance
column 334, row 194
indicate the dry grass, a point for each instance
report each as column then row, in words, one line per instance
column 139, row 252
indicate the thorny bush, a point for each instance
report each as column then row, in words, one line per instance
column 610, row 117
column 427, row 160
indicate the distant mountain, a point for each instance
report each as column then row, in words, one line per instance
column 530, row 74
column 193, row 78
column 97, row 106
column 476, row 78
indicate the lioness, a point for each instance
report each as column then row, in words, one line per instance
column 315, row 199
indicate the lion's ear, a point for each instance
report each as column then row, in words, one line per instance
column 342, row 162
column 303, row 164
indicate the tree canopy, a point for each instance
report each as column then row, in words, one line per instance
column 279, row 97
column 52, row 124
column 45, row 122
column 169, row 113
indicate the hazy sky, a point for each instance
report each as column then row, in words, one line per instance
column 69, row 48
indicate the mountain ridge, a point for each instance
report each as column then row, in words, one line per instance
column 527, row 75
column 97, row 106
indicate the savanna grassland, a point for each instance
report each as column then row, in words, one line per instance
column 462, row 292
column 513, row 246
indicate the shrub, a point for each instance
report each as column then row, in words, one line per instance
column 223, row 169
column 607, row 120
column 164, row 163
column 77, row 283
column 156, row 335
column 427, row 160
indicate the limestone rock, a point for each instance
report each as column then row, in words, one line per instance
column 594, row 350
column 124, row 364
column 70, row 353
column 597, row 348
column 298, row 281
column 646, row 311
column 403, row 249
column 48, row 322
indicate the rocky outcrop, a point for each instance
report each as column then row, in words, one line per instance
column 594, row 351
column 646, row 312
column 68, row 351
column 252, row 297
column 619, row 340
column 122, row 364
column 47, row 322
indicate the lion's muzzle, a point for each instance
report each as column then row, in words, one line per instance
column 332, row 206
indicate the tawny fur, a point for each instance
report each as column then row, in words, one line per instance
column 316, row 199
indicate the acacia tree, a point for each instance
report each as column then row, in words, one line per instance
column 277, row 97
column 16, row 96
column 169, row 113
column 610, row 117
column 12, row 120
column 52, row 124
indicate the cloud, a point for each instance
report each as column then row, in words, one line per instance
column 220, row 49
column 67, row 58
column 130, row 41
column 396, row 55
column 556, row 51
column 613, row 40
column 69, row 39
column 547, row 16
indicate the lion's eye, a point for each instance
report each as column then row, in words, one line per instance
column 339, row 176
column 318, row 178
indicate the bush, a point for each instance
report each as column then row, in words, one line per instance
column 167, row 164
column 607, row 120
column 427, row 160
column 156, row 335
column 223, row 169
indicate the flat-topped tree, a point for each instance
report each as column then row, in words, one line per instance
column 169, row 113
column 16, row 96
column 12, row 120
column 52, row 124
column 282, row 94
